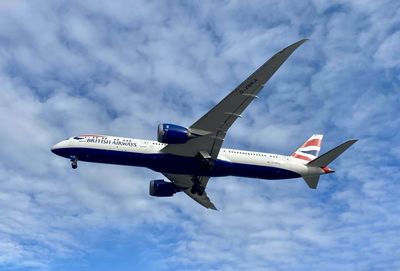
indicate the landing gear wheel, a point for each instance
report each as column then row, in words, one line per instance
column 196, row 185
column 74, row 164
column 200, row 191
column 194, row 189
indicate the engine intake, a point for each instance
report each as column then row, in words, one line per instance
column 160, row 188
column 172, row 134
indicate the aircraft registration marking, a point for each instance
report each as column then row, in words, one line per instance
column 248, row 85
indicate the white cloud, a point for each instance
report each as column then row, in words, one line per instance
column 388, row 52
column 120, row 68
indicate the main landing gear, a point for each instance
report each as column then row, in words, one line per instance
column 207, row 164
column 206, row 160
column 197, row 188
column 74, row 162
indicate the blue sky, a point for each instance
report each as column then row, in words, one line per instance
column 122, row 67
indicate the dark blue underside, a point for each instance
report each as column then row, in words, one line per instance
column 169, row 163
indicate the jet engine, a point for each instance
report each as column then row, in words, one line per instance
column 172, row 134
column 160, row 188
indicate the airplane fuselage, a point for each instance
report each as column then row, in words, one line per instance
column 189, row 156
column 147, row 153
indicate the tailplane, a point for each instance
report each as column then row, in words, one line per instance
column 312, row 181
column 324, row 160
column 310, row 149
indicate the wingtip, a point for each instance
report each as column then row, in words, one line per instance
column 302, row 41
column 213, row 208
column 291, row 48
column 296, row 45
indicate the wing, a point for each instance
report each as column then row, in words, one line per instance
column 213, row 126
column 185, row 182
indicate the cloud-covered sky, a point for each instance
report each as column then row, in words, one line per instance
column 122, row 67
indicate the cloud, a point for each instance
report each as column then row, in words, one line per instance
column 80, row 67
column 388, row 53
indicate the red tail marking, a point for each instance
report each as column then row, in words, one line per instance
column 327, row 170
column 295, row 155
column 312, row 142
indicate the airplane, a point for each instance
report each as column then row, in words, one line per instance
column 190, row 156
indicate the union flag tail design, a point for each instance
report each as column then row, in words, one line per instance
column 310, row 149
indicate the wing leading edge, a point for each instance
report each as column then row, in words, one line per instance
column 210, row 129
column 213, row 126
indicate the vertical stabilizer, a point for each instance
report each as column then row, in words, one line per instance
column 310, row 149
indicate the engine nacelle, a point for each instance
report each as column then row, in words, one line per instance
column 160, row 188
column 172, row 134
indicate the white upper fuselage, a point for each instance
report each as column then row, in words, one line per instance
column 115, row 145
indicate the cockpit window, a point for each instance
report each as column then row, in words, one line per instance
column 78, row 138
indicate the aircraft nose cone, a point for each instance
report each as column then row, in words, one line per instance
column 55, row 148
column 61, row 149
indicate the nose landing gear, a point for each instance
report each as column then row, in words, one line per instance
column 74, row 162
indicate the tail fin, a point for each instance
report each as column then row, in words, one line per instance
column 310, row 149
column 325, row 159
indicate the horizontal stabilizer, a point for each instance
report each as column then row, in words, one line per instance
column 312, row 181
column 325, row 159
